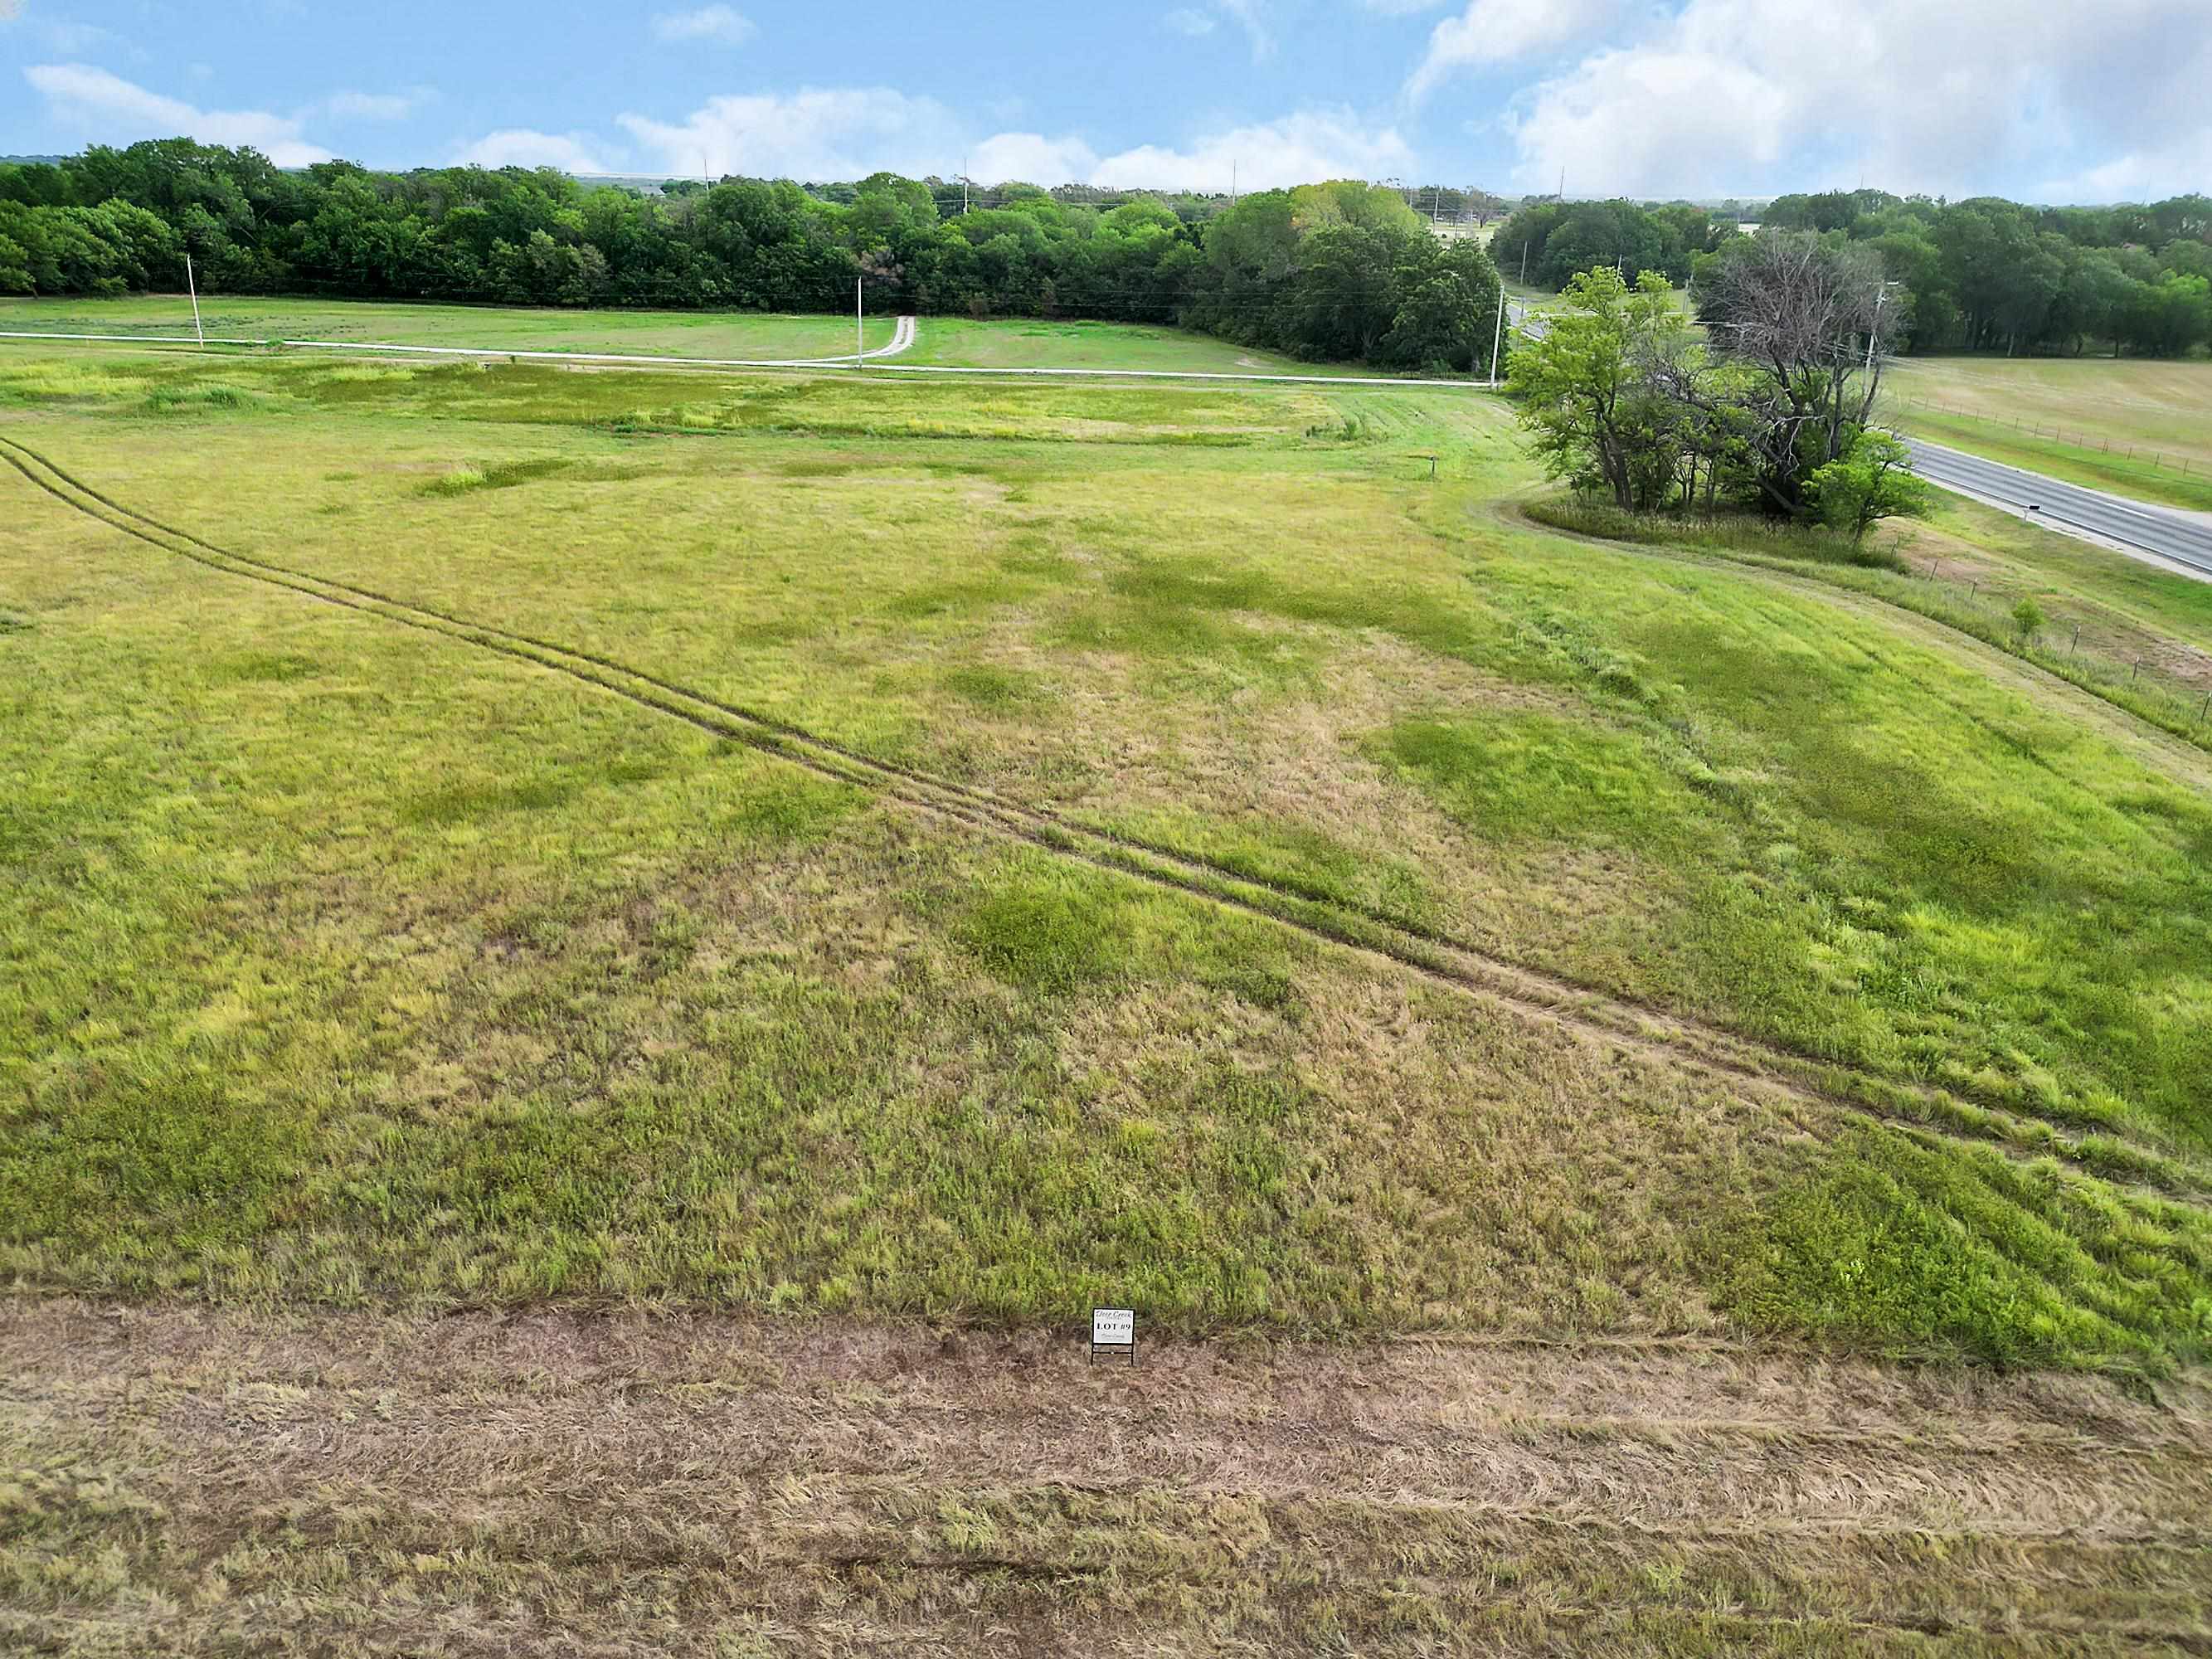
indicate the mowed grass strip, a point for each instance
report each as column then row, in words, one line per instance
column 499, row 328
column 467, row 986
column 706, row 1484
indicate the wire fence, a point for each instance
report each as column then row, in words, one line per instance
column 2161, row 460
column 2126, row 673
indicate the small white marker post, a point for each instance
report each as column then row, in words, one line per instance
column 1114, row 1329
column 193, row 288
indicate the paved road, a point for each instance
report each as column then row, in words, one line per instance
column 2180, row 540
column 1534, row 323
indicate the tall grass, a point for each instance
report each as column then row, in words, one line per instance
column 1725, row 533
column 1878, row 571
column 354, row 963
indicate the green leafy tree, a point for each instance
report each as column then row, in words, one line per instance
column 1587, row 398
column 1871, row 481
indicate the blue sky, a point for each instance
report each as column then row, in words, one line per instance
column 2065, row 99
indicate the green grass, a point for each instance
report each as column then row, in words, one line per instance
column 2129, row 613
column 2132, row 425
column 499, row 328
column 1725, row 532
column 1915, row 1250
column 1015, row 343
column 956, row 341
column 357, row 962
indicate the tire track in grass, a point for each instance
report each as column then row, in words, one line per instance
column 1920, row 1110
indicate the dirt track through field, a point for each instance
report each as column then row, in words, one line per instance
column 1437, row 957
column 563, row 1482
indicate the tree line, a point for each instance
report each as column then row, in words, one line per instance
column 1339, row 271
column 1981, row 274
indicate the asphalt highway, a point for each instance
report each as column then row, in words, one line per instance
column 2183, row 540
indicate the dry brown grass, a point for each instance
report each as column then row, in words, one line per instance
column 187, row 1482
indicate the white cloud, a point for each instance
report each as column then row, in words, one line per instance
column 518, row 146
column 1251, row 16
column 1188, row 20
column 1032, row 157
column 1502, row 31
column 720, row 24
column 107, row 109
column 850, row 132
column 1742, row 96
column 1297, row 149
column 2170, row 169
column 374, row 106
column 10, row 10
column 1723, row 121
column 816, row 133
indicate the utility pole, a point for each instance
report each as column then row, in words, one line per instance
column 1232, row 184
column 1524, row 265
column 1498, row 337
column 194, row 288
column 1873, row 334
column 859, row 327
column 1563, row 182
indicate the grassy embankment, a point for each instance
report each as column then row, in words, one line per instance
column 2106, row 621
column 355, row 961
column 2130, row 426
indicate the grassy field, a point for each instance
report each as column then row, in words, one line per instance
column 2131, row 426
column 947, row 341
column 1014, row 342
column 852, row 853
column 499, row 328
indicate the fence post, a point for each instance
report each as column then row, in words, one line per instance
column 2076, row 645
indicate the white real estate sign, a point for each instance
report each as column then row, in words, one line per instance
column 1112, row 1328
